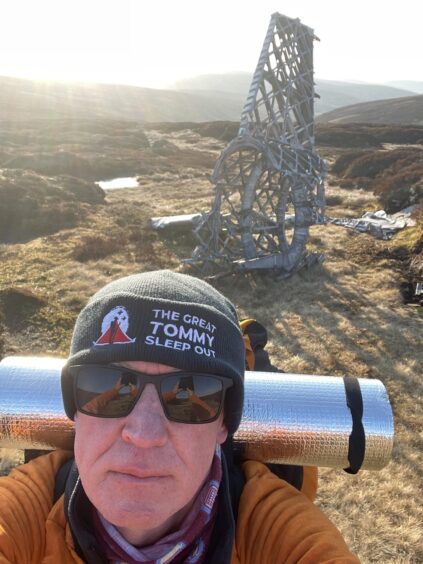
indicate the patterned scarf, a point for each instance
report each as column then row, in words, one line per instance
column 187, row 545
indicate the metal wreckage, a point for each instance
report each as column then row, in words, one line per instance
column 269, row 180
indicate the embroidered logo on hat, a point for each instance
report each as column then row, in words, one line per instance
column 114, row 328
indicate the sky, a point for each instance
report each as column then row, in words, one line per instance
column 154, row 43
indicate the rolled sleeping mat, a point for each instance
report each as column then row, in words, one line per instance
column 310, row 420
column 287, row 419
column 32, row 415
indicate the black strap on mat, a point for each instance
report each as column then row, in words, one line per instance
column 357, row 440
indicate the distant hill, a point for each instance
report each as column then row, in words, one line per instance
column 200, row 99
column 413, row 85
column 22, row 99
column 233, row 82
column 404, row 111
column 333, row 94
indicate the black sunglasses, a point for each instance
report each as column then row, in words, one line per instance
column 113, row 391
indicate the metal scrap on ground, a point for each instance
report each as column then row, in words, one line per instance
column 379, row 223
column 176, row 223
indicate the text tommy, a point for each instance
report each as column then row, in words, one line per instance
column 173, row 330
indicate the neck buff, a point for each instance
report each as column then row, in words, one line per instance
column 186, row 545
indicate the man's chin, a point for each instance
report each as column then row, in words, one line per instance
column 142, row 519
column 133, row 515
column 139, row 525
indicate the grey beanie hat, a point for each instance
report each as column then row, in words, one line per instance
column 165, row 317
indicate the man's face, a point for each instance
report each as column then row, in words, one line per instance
column 143, row 471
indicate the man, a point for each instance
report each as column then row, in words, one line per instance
column 154, row 382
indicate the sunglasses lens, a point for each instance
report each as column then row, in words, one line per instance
column 109, row 391
column 104, row 391
column 191, row 398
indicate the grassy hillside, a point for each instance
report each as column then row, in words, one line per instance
column 336, row 94
column 332, row 93
column 204, row 98
column 399, row 111
column 26, row 99
column 346, row 316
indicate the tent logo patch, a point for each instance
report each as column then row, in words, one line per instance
column 114, row 328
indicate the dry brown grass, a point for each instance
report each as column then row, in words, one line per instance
column 9, row 458
column 395, row 175
column 33, row 205
column 346, row 316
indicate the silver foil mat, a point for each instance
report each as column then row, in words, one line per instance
column 304, row 420
column 31, row 408
column 288, row 418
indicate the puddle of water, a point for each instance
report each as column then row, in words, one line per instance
column 115, row 183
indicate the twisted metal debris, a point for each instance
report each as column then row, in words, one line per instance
column 269, row 179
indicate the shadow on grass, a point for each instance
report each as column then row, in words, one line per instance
column 335, row 329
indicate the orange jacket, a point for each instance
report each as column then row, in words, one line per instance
column 276, row 523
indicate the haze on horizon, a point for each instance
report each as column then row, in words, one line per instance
column 138, row 43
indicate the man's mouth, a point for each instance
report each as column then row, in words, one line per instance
column 136, row 474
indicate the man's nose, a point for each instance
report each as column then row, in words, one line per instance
column 146, row 426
